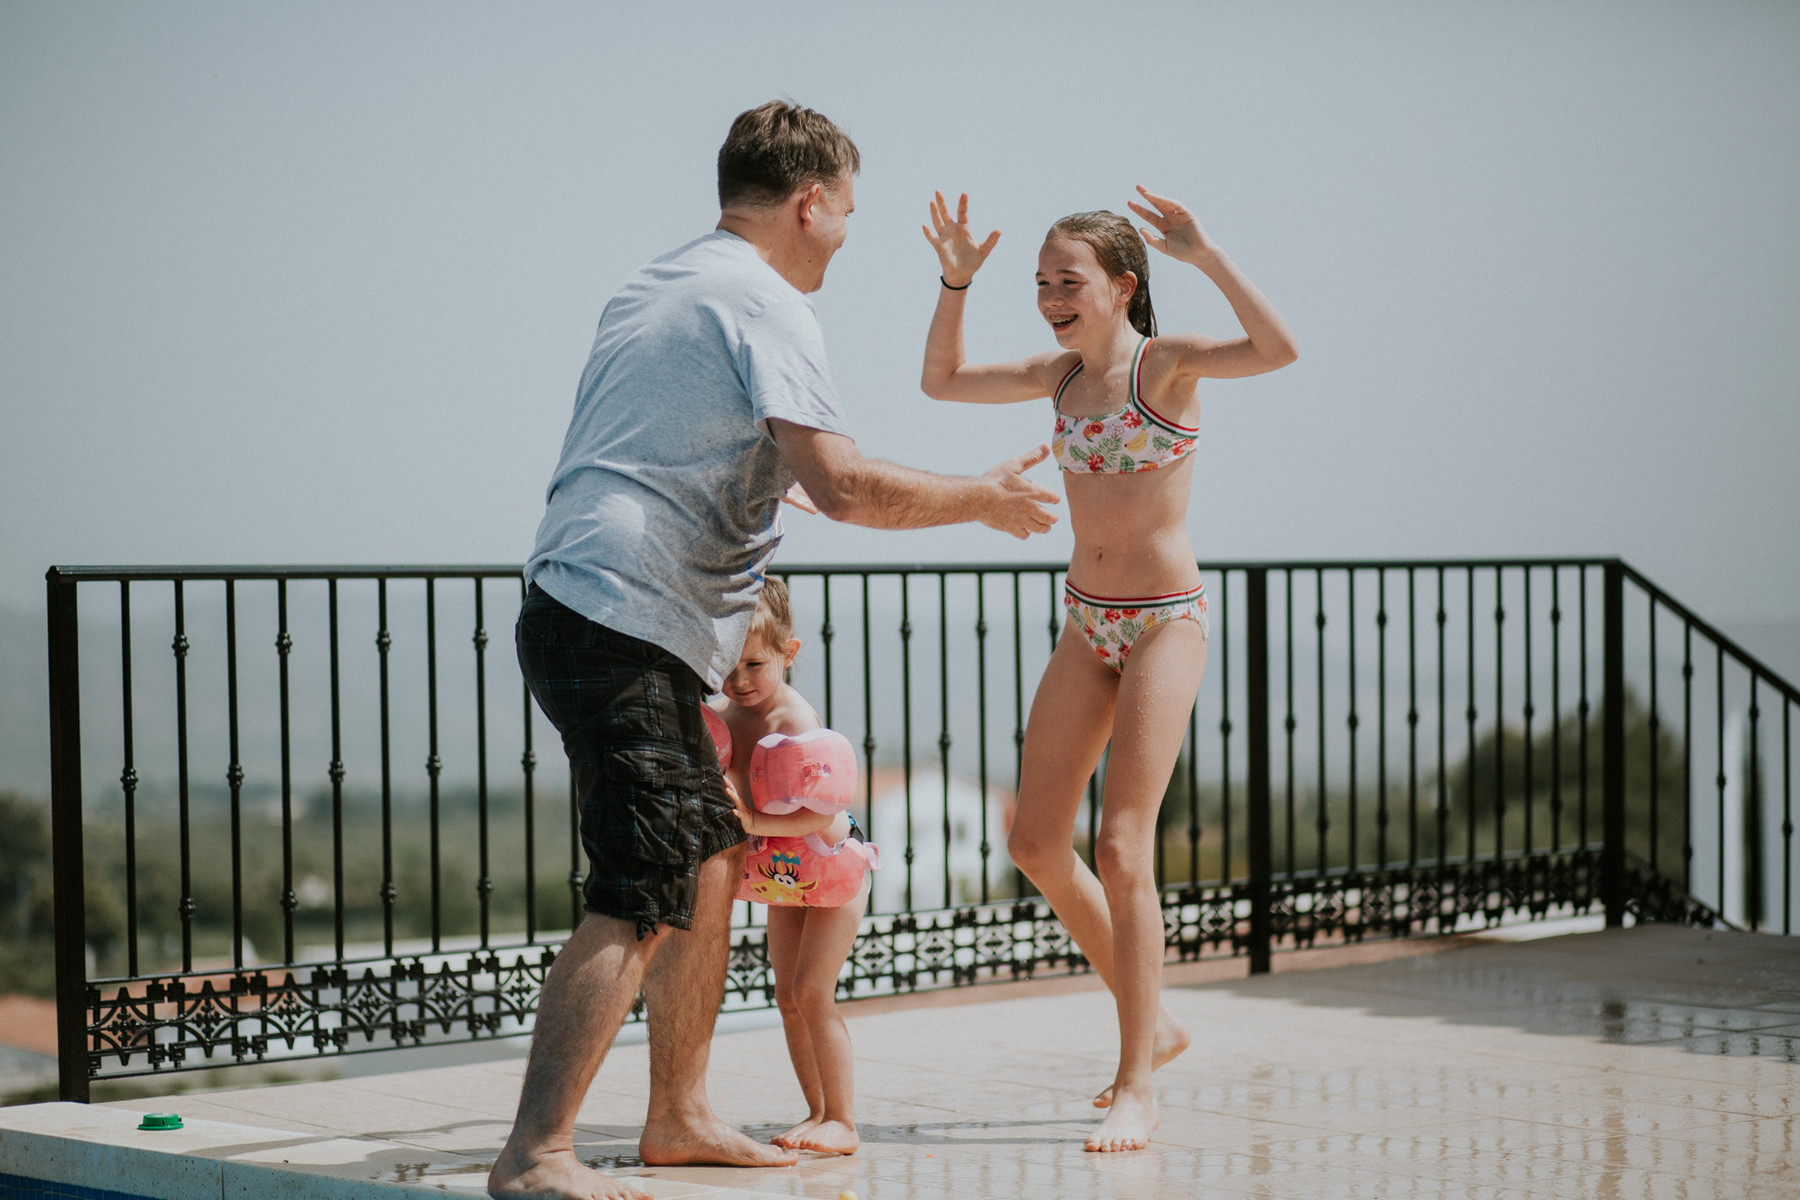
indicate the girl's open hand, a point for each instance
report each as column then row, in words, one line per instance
column 958, row 253
column 1177, row 234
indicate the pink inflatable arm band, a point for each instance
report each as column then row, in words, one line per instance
column 815, row 770
column 721, row 736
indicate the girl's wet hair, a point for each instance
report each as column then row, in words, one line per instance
column 1120, row 249
column 774, row 620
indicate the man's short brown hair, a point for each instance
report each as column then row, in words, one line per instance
column 777, row 148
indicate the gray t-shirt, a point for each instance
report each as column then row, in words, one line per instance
column 665, row 508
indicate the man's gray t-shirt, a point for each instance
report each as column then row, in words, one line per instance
column 665, row 508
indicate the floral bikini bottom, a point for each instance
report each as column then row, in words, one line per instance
column 1112, row 624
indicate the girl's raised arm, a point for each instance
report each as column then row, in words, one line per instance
column 946, row 376
column 1268, row 344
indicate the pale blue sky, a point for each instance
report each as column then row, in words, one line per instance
column 315, row 282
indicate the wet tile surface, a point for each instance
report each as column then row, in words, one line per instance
column 1651, row 1062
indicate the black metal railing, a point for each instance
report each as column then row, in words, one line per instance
column 309, row 849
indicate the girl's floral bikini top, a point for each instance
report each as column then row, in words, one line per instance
column 1134, row 438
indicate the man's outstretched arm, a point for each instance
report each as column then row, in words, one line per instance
column 848, row 487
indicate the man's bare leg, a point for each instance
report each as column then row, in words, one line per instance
column 586, row 998
column 682, row 991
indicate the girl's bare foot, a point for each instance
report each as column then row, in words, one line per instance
column 554, row 1175
column 786, row 1140
column 827, row 1137
column 1128, row 1123
column 1171, row 1039
column 710, row 1142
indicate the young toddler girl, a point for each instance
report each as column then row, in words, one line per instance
column 802, row 864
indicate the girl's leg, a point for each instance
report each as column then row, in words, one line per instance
column 786, row 924
column 825, row 942
column 1072, row 717
column 1156, row 696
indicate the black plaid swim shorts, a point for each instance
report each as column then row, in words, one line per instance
column 652, row 801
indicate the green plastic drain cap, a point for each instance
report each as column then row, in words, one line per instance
column 160, row 1121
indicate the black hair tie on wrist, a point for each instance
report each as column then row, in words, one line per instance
column 952, row 286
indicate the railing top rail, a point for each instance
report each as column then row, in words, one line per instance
column 1746, row 659
column 211, row 573
column 221, row 572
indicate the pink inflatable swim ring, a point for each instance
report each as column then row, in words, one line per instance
column 721, row 735
column 806, row 871
column 816, row 770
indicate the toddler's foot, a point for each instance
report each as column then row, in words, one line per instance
column 826, row 1137
column 786, row 1140
column 1171, row 1039
column 1128, row 1124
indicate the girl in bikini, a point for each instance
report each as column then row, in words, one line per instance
column 1132, row 651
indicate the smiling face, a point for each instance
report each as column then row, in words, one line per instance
column 756, row 680
column 1074, row 293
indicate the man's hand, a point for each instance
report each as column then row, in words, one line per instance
column 1021, row 510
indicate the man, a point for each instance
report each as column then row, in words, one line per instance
column 705, row 398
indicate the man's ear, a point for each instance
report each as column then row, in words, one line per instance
column 805, row 198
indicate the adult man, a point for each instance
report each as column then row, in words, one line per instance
column 705, row 397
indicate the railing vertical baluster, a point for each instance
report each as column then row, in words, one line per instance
column 1193, row 794
column 234, row 777
column 1530, row 782
column 906, row 748
column 1350, row 722
column 434, row 766
column 981, row 719
column 1291, row 863
column 128, row 778
column 69, row 903
column 1412, row 721
column 1655, row 748
column 390, row 892
column 868, row 638
column 1584, row 709
column 1787, row 819
column 1687, row 754
column 1381, row 718
column 1322, row 815
column 1719, row 777
column 1612, row 862
column 484, row 883
column 1446, row 905
column 944, row 719
column 1224, row 644
column 1556, row 713
column 826, row 635
column 1753, row 884
column 186, row 907
column 1470, row 715
column 1499, row 720
column 337, row 780
column 284, row 645
column 1018, row 682
column 528, row 799
column 1256, row 715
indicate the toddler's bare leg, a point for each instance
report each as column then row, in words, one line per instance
column 826, row 939
column 785, row 926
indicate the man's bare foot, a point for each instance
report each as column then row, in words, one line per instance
column 826, row 1137
column 710, row 1142
column 1171, row 1039
column 787, row 1139
column 1128, row 1124
column 554, row 1175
